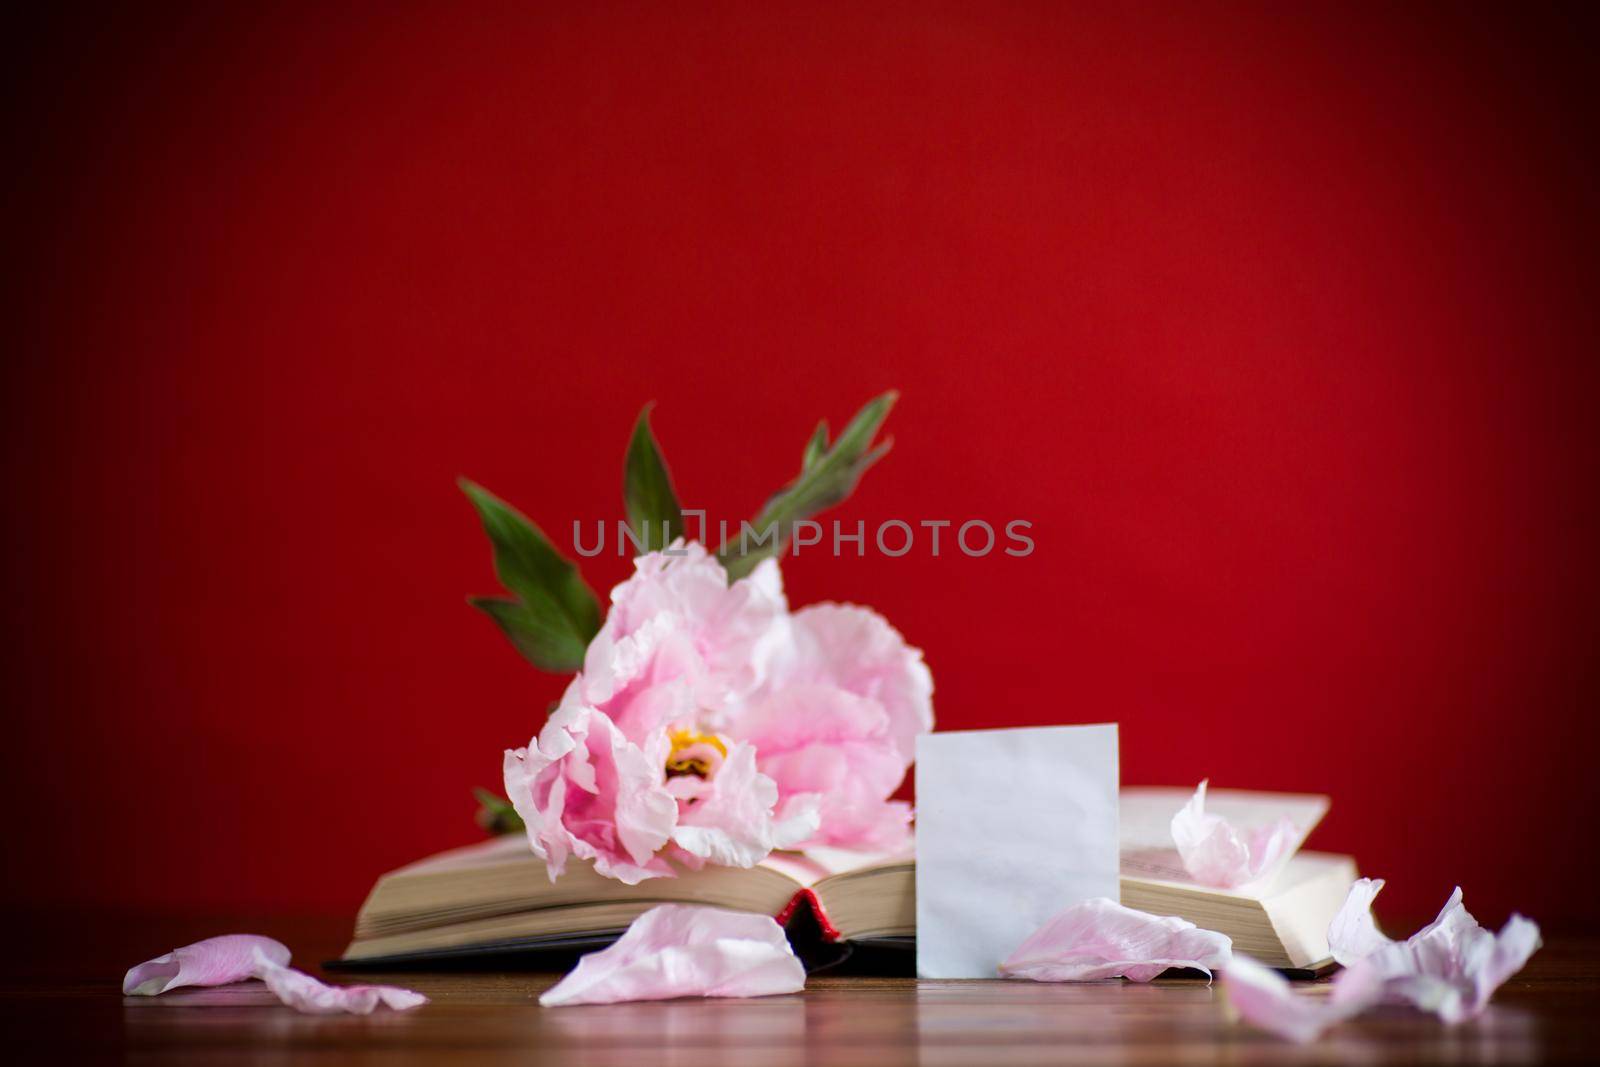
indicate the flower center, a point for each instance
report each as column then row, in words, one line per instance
column 694, row 753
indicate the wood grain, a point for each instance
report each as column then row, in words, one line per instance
column 60, row 1002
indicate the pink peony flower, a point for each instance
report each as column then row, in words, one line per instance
column 708, row 725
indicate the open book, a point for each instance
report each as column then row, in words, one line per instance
column 494, row 898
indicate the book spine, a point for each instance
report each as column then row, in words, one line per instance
column 807, row 899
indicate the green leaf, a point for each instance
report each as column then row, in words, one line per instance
column 555, row 613
column 816, row 448
column 550, row 647
column 653, row 511
column 496, row 815
column 828, row 475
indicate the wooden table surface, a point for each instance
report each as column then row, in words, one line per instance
column 60, row 1001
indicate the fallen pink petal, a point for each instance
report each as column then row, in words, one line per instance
column 1267, row 1000
column 306, row 994
column 1353, row 934
column 1100, row 938
column 680, row 950
column 242, row 957
column 1216, row 854
column 1450, row 967
column 214, row 961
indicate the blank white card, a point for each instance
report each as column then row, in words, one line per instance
column 1012, row 827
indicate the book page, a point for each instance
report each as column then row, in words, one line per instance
column 507, row 848
column 814, row 864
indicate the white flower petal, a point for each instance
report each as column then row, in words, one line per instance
column 1450, row 967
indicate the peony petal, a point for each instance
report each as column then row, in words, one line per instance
column 680, row 950
column 1216, row 854
column 241, row 957
column 1513, row 946
column 1354, row 934
column 732, row 823
column 817, row 738
column 643, row 810
column 1100, row 938
column 855, row 649
column 307, row 994
column 1450, row 967
column 583, row 789
column 734, row 630
column 525, row 781
column 797, row 819
column 214, row 961
column 670, row 682
column 1264, row 998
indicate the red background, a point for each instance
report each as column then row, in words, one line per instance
column 1278, row 325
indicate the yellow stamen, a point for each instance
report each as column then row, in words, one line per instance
column 686, row 738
